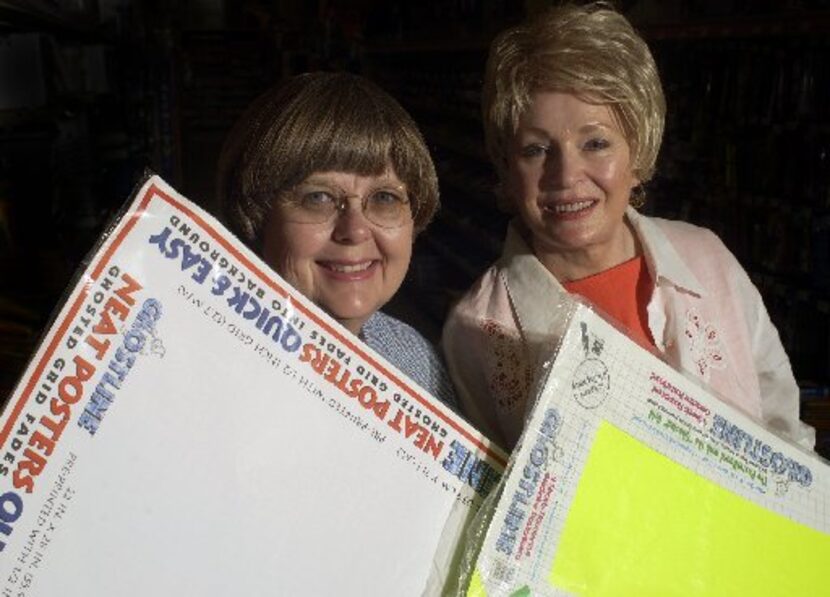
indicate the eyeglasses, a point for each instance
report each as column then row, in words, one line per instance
column 311, row 203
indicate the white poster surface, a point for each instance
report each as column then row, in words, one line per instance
column 191, row 425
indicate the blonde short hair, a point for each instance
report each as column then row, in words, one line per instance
column 315, row 122
column 591, row 51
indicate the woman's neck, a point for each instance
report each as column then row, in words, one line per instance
column 576, row 264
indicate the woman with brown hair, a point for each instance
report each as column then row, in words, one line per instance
column 329, row 180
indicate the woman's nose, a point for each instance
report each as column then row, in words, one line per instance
column 350, row 225
column 562, row 168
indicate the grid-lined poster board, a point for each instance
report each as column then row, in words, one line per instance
column 191, row 425
column 632, row 480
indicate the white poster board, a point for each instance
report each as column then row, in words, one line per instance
column 191, row 425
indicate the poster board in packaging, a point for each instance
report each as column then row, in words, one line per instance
column 191, row 424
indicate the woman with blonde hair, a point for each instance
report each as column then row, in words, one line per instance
column 329, row 180
column 573, row 110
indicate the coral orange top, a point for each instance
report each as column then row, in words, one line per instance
column 622, row 293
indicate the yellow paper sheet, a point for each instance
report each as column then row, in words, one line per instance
column 641, row 525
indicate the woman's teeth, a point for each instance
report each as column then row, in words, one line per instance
column 569, row 207
column 349, row 268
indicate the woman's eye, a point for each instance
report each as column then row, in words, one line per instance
column 317, row 199
column 597, row 144
column 534, row 150
column 386, row 198
column 385, row 205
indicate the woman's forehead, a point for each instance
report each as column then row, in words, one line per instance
column 556, row 109
column 345, row 178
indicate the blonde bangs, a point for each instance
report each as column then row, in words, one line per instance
column 591, row 51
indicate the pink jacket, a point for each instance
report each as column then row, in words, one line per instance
column 705, row 315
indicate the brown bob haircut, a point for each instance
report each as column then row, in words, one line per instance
column 591, row 51
column 317, row 122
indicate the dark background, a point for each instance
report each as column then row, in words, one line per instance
column 92, row 92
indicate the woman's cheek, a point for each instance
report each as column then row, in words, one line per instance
column 292, row 255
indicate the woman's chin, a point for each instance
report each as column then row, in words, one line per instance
column 575, row 235
column 352, row 317
column 565, row 241
column 353, row 324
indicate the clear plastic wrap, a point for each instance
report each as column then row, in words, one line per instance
column 631, row 479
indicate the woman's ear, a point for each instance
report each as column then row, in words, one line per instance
column 636, row 179
column 637, row 198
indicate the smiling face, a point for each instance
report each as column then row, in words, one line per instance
column 348, row 266
column 569, row 176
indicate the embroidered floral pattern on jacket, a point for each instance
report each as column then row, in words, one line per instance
column 705, row 344
column 507, row 368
